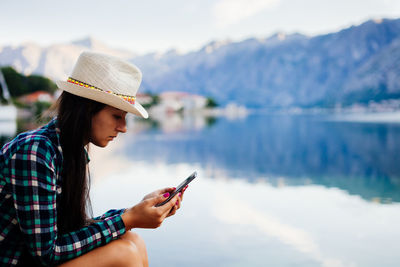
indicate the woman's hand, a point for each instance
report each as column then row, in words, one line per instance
column 178, row 203
column 159, row 192
column 146, row 215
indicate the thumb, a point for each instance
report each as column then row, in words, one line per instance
column 160, row 199
column 167, row 190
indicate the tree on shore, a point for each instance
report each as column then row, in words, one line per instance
column 211, row 103
column 19, row 84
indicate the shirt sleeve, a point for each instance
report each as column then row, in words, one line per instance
column 109, row 213
column 33, row 179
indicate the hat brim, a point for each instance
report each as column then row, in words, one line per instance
column 103, row 97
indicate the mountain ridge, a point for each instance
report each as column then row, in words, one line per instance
column 304, row 72
column 352, row 65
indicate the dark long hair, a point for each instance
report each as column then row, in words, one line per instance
column 74, row 114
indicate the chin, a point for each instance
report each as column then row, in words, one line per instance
column 100, row 144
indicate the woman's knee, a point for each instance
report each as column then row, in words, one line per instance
column 140, row 244
column 135, row 238
column 131, row 236
column 117, row 253
column 127, row 253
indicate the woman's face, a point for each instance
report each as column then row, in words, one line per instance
column 106, row 125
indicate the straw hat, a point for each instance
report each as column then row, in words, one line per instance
column 106, row 79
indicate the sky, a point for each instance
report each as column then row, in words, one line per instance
column 184, row 25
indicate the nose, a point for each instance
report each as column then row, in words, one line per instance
column 122, row 126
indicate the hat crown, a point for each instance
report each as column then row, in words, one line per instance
column 107, row 73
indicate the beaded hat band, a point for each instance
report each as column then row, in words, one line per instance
column 130, row 99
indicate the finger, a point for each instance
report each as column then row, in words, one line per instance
column 175, row 207
column 183, row 191
column 166, row 190
column 158, row 199
column 172, row 211
column 178, row 203
column 170, row 204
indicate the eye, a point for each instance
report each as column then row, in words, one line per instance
column 118, row 117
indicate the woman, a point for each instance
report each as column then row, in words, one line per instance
column 44, row 179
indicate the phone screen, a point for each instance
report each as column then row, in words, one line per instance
column 179, row 188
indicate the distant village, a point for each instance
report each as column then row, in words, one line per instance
column 157, row 105
column 26, row 98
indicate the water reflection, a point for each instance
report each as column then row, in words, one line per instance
column 361, row 158
column 358, row 157
column 236, row 223
column 11, row 128
column 174, row 122
column 8, row 130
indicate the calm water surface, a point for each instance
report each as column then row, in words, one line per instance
column 360, row 158
column 273, row 190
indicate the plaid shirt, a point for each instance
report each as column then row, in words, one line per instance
column 30, row 185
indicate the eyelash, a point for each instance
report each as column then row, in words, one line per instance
column 117, row 117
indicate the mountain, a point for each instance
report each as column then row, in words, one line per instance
column 55, row 61
column 354, row 65
column 357, row 64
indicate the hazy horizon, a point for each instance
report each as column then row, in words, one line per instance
column 158, row 26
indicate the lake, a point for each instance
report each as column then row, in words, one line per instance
column 272, row 189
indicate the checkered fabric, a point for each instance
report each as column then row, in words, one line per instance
column 30, row 186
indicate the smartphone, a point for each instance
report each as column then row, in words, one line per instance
column 179, row 188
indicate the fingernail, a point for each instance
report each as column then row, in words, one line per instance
column 176, row 204
column 180, row 194
column 166, row 195
column 173, row 188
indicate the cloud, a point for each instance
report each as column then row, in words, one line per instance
column 230, row 210
column 228, row 12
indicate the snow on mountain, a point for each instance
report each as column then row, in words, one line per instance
column 55, row 61
column 94, row 45
column 24, row 58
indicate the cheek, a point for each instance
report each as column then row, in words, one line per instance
column 101, row 127
column 97, row 128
